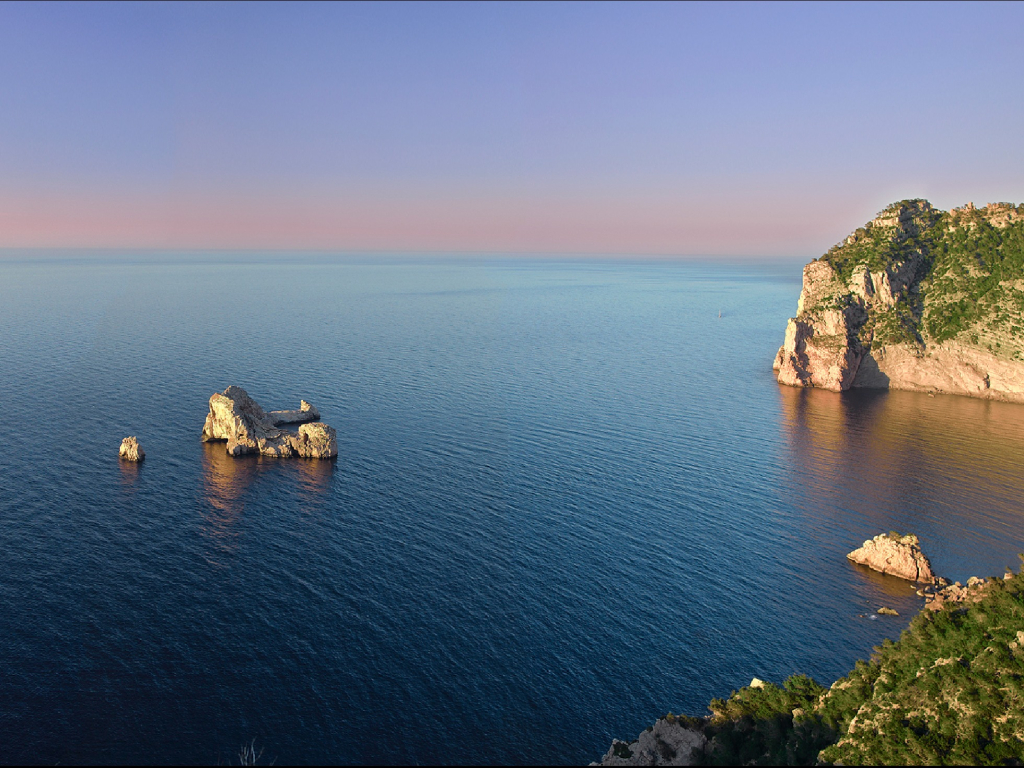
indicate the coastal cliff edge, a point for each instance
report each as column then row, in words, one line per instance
column 916, row 299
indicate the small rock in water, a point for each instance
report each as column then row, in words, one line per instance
column 885, row 611
column 131, row 450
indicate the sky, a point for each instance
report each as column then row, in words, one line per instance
column 721, row 129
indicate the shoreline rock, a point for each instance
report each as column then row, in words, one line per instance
column 130, row 450
column 240, row 421
column 944, row 593
column 670, row 741
column 895, row 555
column 901, row 556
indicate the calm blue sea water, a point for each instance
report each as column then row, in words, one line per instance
column 569, row 498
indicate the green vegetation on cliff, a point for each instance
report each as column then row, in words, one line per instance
column 768, row 725
column 903, row 230
column 963, row 270
column 976, row 278
column 949, row 691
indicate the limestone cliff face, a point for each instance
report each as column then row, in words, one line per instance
column 917, row 299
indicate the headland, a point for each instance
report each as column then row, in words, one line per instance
column 916, row 299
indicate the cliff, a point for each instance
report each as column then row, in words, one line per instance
column 917, row 299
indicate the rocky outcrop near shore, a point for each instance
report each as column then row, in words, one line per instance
column 942, row 592
column 901, row 556
column 917, row 299
column 240, row 421
column 130, row 450
column 895, row 555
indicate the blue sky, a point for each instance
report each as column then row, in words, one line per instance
column 698, row 129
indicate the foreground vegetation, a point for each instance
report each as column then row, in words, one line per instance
column 950, row 691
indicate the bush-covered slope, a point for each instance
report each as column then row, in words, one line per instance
column 950, row 691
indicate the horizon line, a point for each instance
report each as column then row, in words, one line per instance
column 425, row 252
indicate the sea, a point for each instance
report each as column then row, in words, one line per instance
column 570, row 497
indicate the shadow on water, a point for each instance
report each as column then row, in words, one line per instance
column 879, row 587
column 943, row 467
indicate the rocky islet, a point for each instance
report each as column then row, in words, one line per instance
column 130, row 450
column 238, row 420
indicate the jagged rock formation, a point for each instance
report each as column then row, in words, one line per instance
column 316, row 441
column 247, row 428
column 917, row 299
column 943, row 593
column 895, row 555
column 131, row 450
column 668, row 742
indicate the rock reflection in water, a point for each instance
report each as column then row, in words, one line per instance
column 314, row 476
column 225, row 481
column 943, row 467
column 129, row 474
column 874, row 586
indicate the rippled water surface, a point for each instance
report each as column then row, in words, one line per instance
column 569, row 498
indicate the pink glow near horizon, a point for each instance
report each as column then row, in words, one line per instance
column 659, row 226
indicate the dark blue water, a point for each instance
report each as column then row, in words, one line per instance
column 569, row 498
